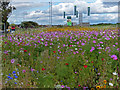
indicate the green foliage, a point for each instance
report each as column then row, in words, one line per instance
column 29, row 24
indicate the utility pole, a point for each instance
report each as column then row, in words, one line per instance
column 80, row 19
column 51, row 13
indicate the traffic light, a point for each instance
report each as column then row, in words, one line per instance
column 64, row 14
column 88, row 11
column 74, row 10
column 76, row 14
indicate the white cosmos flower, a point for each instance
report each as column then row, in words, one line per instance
column 110, row 84
column 114, row 73
column 58, row 86
column 42, row 39
column 75, row 48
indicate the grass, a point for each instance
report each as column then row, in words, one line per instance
column 71, row 57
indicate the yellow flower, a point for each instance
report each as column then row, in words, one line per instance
column 92, row 88
column 97, row 86
column 105, row 81
column 102, row 86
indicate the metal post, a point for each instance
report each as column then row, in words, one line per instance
column 51, row 12
column 4, row 27
column 80, row 19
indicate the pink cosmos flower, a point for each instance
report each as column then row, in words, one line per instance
column 101, row 42
column 113, row 45
column 83, row 44
column 114, row 57
column 62, row 86
column 116, row 43
column 77, row 42
column 29, row 54
column 94, row 41
column 32, row 69
column 23, row 71
column 74, row 52
column 12, row 61
column 63, row 45
column 77, row 52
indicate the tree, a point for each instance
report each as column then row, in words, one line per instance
column 29, row 24
column 6, row 10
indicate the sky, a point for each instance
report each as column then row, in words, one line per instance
column 101, row 11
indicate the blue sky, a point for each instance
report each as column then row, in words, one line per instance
column 38, row 11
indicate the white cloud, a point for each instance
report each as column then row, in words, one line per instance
column 97, row 7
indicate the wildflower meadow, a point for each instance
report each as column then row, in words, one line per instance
column 61, row 58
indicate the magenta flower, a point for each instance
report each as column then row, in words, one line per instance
column 77, row 42
column 62, row 86
column 32, row 69
column 12, row 61
column 113, row 45
column 83, row 44
column 23, row 71
column 77, row 52
column 94, row 41
column 46, row 44
column 58, row 57
column 101, row 42
column 29, row 54
column 74, row 52
column 41, row 61
column 116, row 43
column 99, row 48
column 114, row 57
column 118, row 49
column 63, row 45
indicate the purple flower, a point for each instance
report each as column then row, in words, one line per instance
column 75, row 72
column 77, row 52
column 62, row 86
column 12, row 61
column 46, row 44
column 5, row 42
column 116, row 43
column 41, row 61
column 94, row 41
column 77, row 42
column 74, row 52
column 92, row 49
column 29, row 54
column 118, row 49
column 58, row 57
column 114, row 57
column 113, row 45
column 83, row 44
column 63, row 45
column 101, row 42
column 23, row 71
column 32, row 69
column 99, row 48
